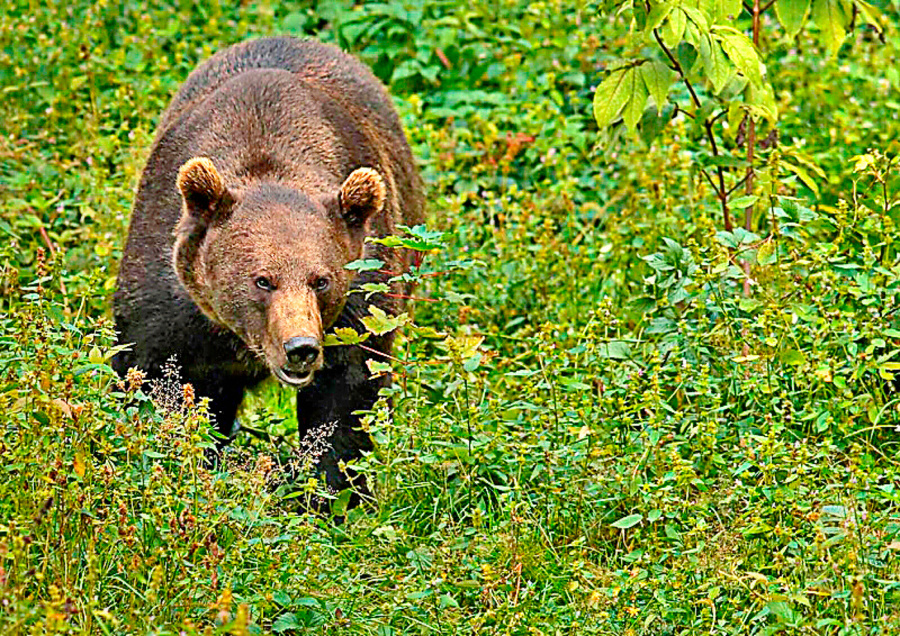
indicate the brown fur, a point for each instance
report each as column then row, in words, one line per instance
column 271, row 166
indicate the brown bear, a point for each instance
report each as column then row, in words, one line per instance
column 271, row 166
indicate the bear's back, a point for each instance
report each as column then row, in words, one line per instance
column 323, row 66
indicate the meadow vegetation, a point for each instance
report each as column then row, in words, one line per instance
column 614, row 411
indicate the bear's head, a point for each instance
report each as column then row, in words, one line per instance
column 267, row 261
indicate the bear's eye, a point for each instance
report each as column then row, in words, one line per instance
column 265, row 284
column 321, row 284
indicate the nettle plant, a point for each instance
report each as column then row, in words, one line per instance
column 420, row 241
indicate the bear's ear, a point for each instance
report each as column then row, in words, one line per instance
column 203, row 189
column 362, row 195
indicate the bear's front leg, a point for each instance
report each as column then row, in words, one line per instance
column 340, row 388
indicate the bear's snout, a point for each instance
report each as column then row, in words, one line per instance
column 302, row 352
column 304, row 358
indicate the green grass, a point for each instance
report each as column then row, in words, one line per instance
column 594, row 429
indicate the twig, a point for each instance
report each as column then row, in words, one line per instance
column 62, row 284
column 737, row 185
column 405, row 297
column 707, row 124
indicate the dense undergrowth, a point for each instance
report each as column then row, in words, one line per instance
column 601, row 423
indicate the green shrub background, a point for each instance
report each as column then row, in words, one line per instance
column 595, row 428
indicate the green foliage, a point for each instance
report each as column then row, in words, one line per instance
column 612, row 412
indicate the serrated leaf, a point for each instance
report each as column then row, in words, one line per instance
column 365, row 265
column 831, row 18
column 761, row 101
column 418, row 239
column 718, row 69
column 634, row 108
column 377, row 368
column 736, row 114
column 658, row 13
column 422, row 239
column 696, row 17
column 792, row 14
column 95, row 356
column 727, row 239
column 871, row 14
column 614, row 350
column 673, row 30
column 344, row 336
column 743, row 202
column 611, row 96
column 286, row 622
column 657, row 77
column 720, row 11
column 765, row 255
column 627, row 522
column 803, row 175
column 740, row 51
column 372, row 288
column 380, row 323
column 749, row 304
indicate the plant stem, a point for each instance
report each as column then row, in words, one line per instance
column 751, row 150
column 707, row 125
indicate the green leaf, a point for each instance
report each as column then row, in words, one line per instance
column 673, row 30
column 831, row 18
column 615, row 350
column 380, row 323
column 627, row 522
column 871, row 14
column 720, row 11
column 727, row 239
column 743, row 202
column 658, row 77
column 765, row 255
column 741, row 52
column 803, row 175
column 729, row 10
column 792, row 14
column 718, row 70
column 377, row 368
column 792, row 356
column 634, row 108
column 372, row 288
column 652, row 123
column 658, row 13
column 365, row 265
column 344, row 336
column 696, row 17
column 761, row 101
column 421, row 239
column 286, row 622
column 611, row 96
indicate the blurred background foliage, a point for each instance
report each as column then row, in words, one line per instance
column 611, row 416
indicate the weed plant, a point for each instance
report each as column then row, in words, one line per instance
column 593, row 428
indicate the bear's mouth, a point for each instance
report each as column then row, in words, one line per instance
column 296, row 379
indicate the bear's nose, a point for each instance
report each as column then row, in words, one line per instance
column 302, row 350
